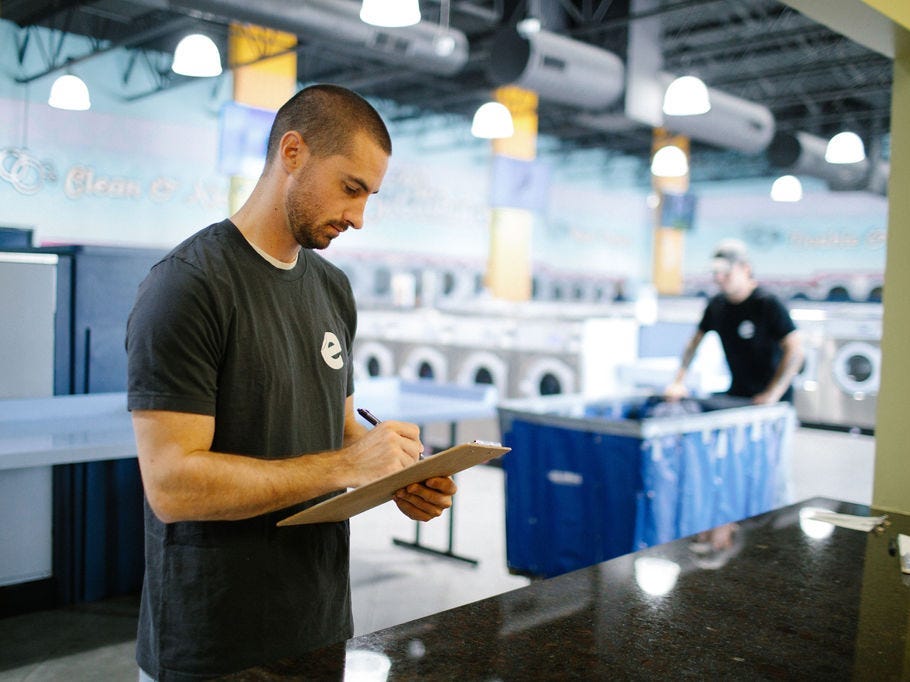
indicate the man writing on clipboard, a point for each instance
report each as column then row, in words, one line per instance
column 241, row 390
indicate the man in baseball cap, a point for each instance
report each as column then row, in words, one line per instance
column 761, row 344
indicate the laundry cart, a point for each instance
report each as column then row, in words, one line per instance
column 591, row 479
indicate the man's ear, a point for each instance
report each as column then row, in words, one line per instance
column 292, row 150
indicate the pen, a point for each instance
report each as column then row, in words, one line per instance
column 369, row 416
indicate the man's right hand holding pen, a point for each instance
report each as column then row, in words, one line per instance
column 419, row 501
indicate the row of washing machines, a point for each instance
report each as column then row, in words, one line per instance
column 521, row 353
column 541, row 348
column 408, row 282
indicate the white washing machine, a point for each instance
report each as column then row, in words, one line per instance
column 535, row 375
column 473, row 366
column 373, row 358
column 848, row 371
column 423, row 362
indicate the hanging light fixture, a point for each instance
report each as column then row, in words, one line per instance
column 686, row 96
column 845, row 147
column 492, row 121
column 69, row 92
column 669, row 162
column 197, row 55
column 390, row 13
column 443, row 43
column 787, row 188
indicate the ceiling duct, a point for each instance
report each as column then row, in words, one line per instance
column 425, row 46
column 557, row 68
column 732, row 122
column 804, row 154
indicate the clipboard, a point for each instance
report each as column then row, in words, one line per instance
column 353, row 502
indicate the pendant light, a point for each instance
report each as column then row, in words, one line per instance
column 69, row 92
column 492, row 121
column 669, row 162
column 390, row 13
column 197, row 55
column 787, row 188
column 686, row 96
column 845, row 147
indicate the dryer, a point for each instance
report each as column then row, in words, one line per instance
column 848, row 370
column 373, row 359
column 424, row 362
column 537, row 375
column 473, row 366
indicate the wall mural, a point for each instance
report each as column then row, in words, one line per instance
column 147, row 175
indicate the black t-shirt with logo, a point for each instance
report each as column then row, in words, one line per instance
column 750, row 332
column 217, row 330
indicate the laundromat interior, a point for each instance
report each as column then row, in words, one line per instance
column 553, row 263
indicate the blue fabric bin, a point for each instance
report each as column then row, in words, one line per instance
column 588, row 480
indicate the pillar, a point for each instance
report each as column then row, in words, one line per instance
column 264, row 83
column 669, row 241
column 508, row 273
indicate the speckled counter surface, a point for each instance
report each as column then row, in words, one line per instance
column 776, row 604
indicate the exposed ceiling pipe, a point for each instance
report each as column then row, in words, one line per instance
column 732, row 122
column 426, row 46
column 557, row 68
column 804, row 154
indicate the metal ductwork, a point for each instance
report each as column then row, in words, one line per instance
column 804, row 154
column 732, row 122
column 426, row 46
column 557, row 68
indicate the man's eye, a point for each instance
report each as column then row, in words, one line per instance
column 350, row 190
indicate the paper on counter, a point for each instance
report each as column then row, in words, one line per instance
column 863, row 523
column 903, row 549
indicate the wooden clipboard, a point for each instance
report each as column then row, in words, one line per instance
column 365, row 497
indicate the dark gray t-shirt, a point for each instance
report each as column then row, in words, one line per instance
column 217, row 330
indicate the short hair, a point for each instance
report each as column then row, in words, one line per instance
column 327, row 118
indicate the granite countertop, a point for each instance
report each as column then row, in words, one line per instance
column 777, row 603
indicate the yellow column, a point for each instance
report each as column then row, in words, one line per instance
column 892, row 428
column 669, row 242
column 263, row 83
column 509, row 262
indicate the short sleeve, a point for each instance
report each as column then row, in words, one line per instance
column 173, row 341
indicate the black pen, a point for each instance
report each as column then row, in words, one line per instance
column 366, row 414
column 370, row 417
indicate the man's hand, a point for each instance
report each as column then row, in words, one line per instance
column 427, row 500
column 676, row 391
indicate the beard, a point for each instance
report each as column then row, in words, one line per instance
column 308, row 229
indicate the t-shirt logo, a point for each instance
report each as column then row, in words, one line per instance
column 331, row 351
column 746, row 329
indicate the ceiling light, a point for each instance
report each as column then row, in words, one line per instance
column 787, row 188
column 492, row 120
column 69, row 92
column 845, row 147
column 390, row 13
column 686, row 96
column 197, row 55
column 527, row 27
column 670, row 162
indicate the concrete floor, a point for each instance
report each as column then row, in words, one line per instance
column 391, row 584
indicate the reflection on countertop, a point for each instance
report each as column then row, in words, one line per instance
column 766, row 598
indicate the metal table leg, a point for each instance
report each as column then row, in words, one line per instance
column 449, row 552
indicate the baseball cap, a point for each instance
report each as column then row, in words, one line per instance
column 727, row 252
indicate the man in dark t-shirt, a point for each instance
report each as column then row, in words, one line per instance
column 242, row 400
column 761, row 344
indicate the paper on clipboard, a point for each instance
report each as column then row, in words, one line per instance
column 353, row 502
